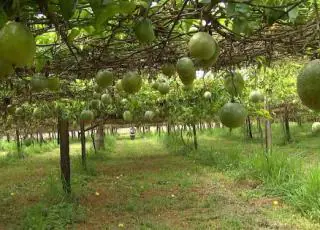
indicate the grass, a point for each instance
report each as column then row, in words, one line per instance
column 158, row 183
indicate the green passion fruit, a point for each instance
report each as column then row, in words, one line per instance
column 308, row 85
column 131, row 82
column 256, row 96
column 17, row 44
column 19, row 112
column 163, row 87
column 5, row 69
column 106, row 99
column 186, row 70
column 168, row 69
column 155, row 85
column 127, row 116
column 86, row 116
column 211, row 61
column 95, row 104
column 149, row 115
column 53, row 83
column 207, row 95
column 202, row 46
column 38, row 83
column 234, row 83
column 233, row 115
column 315, row 128
column 96, row 95
column 37, row 113
column 144, row 31
column 119, row 86
column 104, row 78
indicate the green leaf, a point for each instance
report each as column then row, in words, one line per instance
column 242, row 8
column 67, row 8
column 143, row 3
column 293, row 14
column 127, row 7
column 73, row 34
column 205, row 1
column 231, row 9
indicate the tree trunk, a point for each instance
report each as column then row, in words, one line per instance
column 41, row 138
column 259, row 127
column 8, row 137
column 58, row 135
column 195, row 140
column 100, row 137
column 268, row 133
column 286, row 124
column 168, row 129
column 83, row 145
column 249, row 128
column 93, row 141
column 64, row 154
column 20, row 155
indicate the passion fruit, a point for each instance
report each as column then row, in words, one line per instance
column 234, row 83
column 17, row 44
column 233, row 115
column 144, row 31
column 163, row 87
column 168, row 69
column 5, row 69
column 202, row 46
column 308, row 85
column 256, row 96
column 86, row 116
column 186, row 70
column 127, row 116
column 131, row 82
column 104, row 78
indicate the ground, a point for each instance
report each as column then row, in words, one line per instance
column 141, row 185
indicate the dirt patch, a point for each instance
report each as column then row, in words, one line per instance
column 141, row 165
column 266, row 201
column 249, row 183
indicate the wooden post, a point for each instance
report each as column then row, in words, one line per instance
column 100, row 137
column 268, row 134
column 249, row 128
column 18, row 143
column 195, row 141
column 63, row 126
column 83, row 145
column 286, row 124
column 93, row 141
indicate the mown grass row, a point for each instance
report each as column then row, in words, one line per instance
column 53, row 209
column 291, row 171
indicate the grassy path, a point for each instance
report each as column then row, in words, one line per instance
column 144, row 187
column 140, row 185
